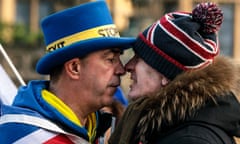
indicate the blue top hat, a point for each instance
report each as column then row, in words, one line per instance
column 78, row 31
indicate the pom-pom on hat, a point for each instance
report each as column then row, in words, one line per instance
column 78, row 31
column 181, row 41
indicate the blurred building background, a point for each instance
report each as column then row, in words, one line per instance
column 21, row 36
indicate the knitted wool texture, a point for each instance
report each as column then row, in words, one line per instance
column 181, row 41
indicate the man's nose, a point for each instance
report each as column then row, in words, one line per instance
column 120, row 70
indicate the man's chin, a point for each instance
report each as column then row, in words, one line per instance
column 108, row 101
column 109, row 94
column 112, row 90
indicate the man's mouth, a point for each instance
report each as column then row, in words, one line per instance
column 115, row 85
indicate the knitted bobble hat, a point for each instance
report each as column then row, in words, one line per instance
column 181, row 41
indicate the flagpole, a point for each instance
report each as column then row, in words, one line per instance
column 12, row 66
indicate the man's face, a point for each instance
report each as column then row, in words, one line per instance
column 146, row 81
column 100, row 75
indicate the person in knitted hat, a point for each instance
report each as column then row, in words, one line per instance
column 83, row 49
column 183, row 91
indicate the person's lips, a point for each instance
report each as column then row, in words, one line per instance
column 115, row 84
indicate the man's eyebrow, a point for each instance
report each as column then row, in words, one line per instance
column 116, row 50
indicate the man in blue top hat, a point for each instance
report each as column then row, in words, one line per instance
column 83, row 49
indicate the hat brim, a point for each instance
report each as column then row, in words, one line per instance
column 79, row 49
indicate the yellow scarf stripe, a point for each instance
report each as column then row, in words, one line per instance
column 58, row 104
column 54, row 101
column 91, row 126
column 101, row 31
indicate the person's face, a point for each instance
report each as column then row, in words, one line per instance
column 146, row 81
column 100, row 75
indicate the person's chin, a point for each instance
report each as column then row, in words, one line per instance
column 108, row 97
column 132, row 95
column 112, row 89
column 108, row 101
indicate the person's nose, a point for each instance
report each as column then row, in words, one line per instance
column 120, row 69
column 129, row 66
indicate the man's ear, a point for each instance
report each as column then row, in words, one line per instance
column 72, row 68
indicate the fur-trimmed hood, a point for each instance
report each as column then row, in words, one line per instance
column 185, row 99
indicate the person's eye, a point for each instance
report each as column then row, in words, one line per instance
column 112, row 60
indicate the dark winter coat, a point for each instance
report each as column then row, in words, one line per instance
column 198, row 107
